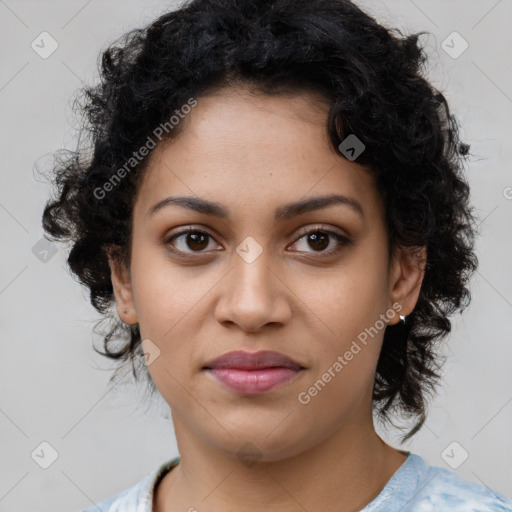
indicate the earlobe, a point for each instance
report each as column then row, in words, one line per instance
column 121, row 284
column 407, row 278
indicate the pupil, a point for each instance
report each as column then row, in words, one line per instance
column 193, row 239
column 318, row 236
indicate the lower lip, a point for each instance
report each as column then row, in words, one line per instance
column 253, row 382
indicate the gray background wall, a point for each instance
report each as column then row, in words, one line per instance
column 53, row 385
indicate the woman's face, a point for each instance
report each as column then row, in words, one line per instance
column 254, row 279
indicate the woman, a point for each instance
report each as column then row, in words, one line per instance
column 275, row 204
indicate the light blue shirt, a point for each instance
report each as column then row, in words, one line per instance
column 414, row 487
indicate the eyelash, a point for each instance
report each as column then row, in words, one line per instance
column 340, row 239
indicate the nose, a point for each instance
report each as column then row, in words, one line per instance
column 253, row 295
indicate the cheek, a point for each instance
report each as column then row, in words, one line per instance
column 344, row 302
column 164, row 293
column 348, row 339
column 172, row 302
column 344, row 312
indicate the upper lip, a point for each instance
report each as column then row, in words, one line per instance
column 243, row 360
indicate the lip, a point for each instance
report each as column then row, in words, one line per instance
column 253, row 373
column 244, row 360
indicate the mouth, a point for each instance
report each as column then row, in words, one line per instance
column 253, row 382
column 249, row 373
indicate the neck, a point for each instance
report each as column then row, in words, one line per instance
column 345, row 471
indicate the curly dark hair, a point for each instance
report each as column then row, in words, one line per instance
column 372, row 78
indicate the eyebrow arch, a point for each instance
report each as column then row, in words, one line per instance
column 284, row 212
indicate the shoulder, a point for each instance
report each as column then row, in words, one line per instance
column 137, row 497
column 438, row 489
column 132, row 498
column 104, row 506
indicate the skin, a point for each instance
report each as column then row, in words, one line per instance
column 253, row 153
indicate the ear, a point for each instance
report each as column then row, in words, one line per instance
column 406, row 276
column 121, row 282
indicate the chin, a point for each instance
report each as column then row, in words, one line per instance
column 261, row 442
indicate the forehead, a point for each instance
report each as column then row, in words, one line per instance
column 254, row 151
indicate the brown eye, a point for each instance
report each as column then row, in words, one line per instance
column 319, row 240
column 191, row 239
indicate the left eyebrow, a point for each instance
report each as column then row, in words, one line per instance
column 316, row 203
column 287, row 211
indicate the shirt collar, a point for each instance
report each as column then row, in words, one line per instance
column 139, row 498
